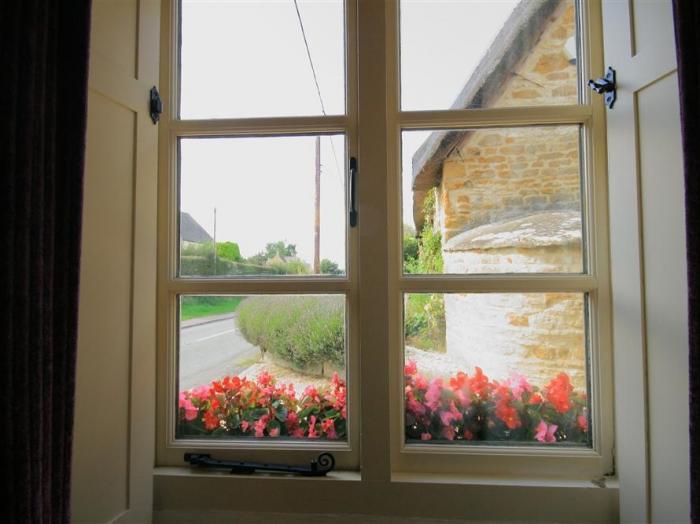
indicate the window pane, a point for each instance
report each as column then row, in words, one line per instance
column 272, row 206
column 250, row 58
column 496, row 368
column 265, row 366
column 480, row 53
column 498, row 200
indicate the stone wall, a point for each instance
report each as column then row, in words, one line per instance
column 509, row 201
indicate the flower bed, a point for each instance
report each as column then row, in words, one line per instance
column 238, row 407
column 474, row 408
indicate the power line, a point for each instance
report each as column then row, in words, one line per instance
column 308, row 53
column 313, row 71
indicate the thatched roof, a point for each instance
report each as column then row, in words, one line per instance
column 191, row 231
column 514, row 42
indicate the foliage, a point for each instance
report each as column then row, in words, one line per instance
column 292, row 266
column 424, row 325
column 238, row 407
column 204, row 266
column 474, row 408
column 228, row 251
column 279, row 249
column 301, row 330
column 195, row 306
column 329, row 267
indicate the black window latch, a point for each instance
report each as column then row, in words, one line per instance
column 606, row 86
column 155, row 105
column 353, row 191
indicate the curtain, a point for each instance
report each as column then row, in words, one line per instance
column 43, row 101
column 687, row 22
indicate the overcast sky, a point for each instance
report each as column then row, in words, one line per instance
column 246, row 58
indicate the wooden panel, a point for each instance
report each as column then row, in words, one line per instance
column 661, row 181
column 114, row 32
column 104, row 336
column 653, row 21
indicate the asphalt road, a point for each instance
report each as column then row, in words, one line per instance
column 212, row 350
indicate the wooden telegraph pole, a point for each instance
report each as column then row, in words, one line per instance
column 317, row 208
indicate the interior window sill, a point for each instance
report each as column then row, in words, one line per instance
column 185, row 471
column 473, row 480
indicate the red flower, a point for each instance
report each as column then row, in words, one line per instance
column 479, row 384
column 558, row 391
column 211, row 421
column 411, row 368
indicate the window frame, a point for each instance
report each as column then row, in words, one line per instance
column 372, row 124
column 519, row 461
column 169, row 449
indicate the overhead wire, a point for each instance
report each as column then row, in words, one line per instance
column 313, row 72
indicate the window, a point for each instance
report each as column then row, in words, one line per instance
column 471, row 298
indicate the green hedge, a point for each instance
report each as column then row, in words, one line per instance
column 191, row 265
column 305, row 331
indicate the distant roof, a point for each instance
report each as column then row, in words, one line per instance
column 191, row 231
column 518, row 36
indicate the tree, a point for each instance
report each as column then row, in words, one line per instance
column 273, row 249
column 228, row 251
column 330, row 268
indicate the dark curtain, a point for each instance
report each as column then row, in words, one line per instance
column 43, row 100
column 687, row 23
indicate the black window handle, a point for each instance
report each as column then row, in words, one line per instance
column 353, row 191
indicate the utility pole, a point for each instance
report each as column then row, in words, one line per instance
column 317, row 208
column 215, row 241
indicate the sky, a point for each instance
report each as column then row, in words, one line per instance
column 247, row 58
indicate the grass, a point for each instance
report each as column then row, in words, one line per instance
column 205, row 306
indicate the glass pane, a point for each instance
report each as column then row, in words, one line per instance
column 479, row 53
column 265, row 366
column 496, row 368
column 273, row 206
column 252, row 58
column 500, row 200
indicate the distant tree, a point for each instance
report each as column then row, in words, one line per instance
column 273, row 249
column 229, row 251
column 330, row 268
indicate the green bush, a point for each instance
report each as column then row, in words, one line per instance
column 195, row 306
column 204, row 266
column 229, row 251
column 424, row 314
column 304, row 331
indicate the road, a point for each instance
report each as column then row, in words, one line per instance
column 212, row 350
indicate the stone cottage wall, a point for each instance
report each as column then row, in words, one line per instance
column 503, row 176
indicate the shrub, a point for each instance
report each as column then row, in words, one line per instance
column 301, row 330
column 328, row 267
column 238, row 407
column 476, row 408
column 229, row 251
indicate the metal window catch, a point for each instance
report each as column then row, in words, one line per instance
column 155, row 105
column 606, row 86
column 353, row 191
column 317, row 467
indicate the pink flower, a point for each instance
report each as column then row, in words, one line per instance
column 312, row 427
column 446, row 417
column 545, row 433
column 582, row 422
column 426, row 436
column 274, row 432
column 518, row 384
column 432, row 396
column 328, row 427
column 190, row 411
column 260, row 426
column 245, row 426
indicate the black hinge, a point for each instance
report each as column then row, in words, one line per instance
column 155, row 105
column 353, row 191
column 606, row 86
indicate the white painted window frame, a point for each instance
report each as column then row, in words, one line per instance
column 375, row 284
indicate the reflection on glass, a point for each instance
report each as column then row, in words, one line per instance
column 265, row 366
column 272, row 206
column 496, row 368
column 494, row 200
column 480, row 53
column 242, row 58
